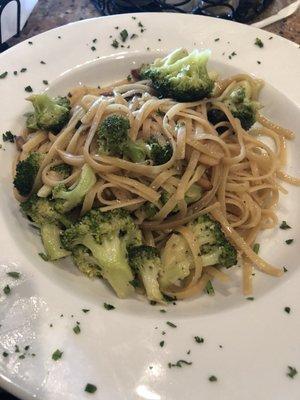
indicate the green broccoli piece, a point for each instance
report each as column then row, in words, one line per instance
column 26, row 172
column 145, row 261
column 242, row 107
column 62, row 170
column 159, row 153
column 85, row 262
column 107, row 236
column 42, row 212
column 180, row 75
column 49, row 114
column 215, row 249
column 193, row 194
column 31, row 122
column 68, row 199
column 113, row 139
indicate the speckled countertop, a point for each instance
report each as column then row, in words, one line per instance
column 49, row 14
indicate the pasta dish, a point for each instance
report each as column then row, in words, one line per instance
column 158, row 183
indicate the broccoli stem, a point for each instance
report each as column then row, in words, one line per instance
column 111, row 255
column 51, row 239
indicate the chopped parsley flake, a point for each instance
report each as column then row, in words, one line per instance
column 6, row 290
column 95, row 40
column 108, row 306
column 285, row 269
column 179, row 364
column 258, row 42
column 57, row 355
column 26, row 347
column 8, row 137
column 162, row 311
column 115, row 44
column 17, row 349
column 22, row 356
column 44, row 256
column 271, row 37
column 162, row 343
column 76, row 329
column 232, row 55
column 124, row 35
column 15, row 72
column 45, row 82
column 291, row 372
column 212, row 378
column 210, row 289
column 90, row 388
column 42, row 62
column 217, row 39
column 287, row 309
column 134, row 36
column 199, row 339
column 250, row 298
column 256, row 247
column 284, row 225
column 23, row 70
column 258, row 62
column 93, row 48
column 289, row 241
column 28, row 89
column 3, row 75
column 171, row 324
column 140, row 25
column 85, row 310
column 30, row 43
column 58, row 37
column 5, row 354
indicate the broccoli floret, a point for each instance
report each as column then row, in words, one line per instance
column 26, row 172
column 107, row 236
column 180, row 75
column 71, row 198
column 31, row 122
column 49, row 114
column 192, row 195
column 176, row 262
column 214, row 247
column 85, row 262
column 42, row 212
column 242, row 107
column 145, row 261
column 159, row 153
column 113, row 139
column 62, row 170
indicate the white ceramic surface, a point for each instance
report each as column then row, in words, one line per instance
column 119, row 350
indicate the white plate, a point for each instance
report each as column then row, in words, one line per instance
column 119, row 350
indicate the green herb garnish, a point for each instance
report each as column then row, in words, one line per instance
column 284, row 225
column 85, row 310
column 6, row 290
column 162, row 343
column 289, row 241
column 3, row 75
column 171, row 324
column 108, row 306
column 124, row 35
column 76, row 329
column 23, row 70
column 199, row 339
column 179, row 364
column 212, row 378
column 57, row 355
column 28, row 89
column 5, row 354
column 291, row 372
column 210, row 289
column 258, row 42
column 90, row 388
column 115, row 44
column 45, row 82
column 256, row 247
column 8, row 137
column 250, row 298
column 44, row 256
column 93, row 48
column 287, row 309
